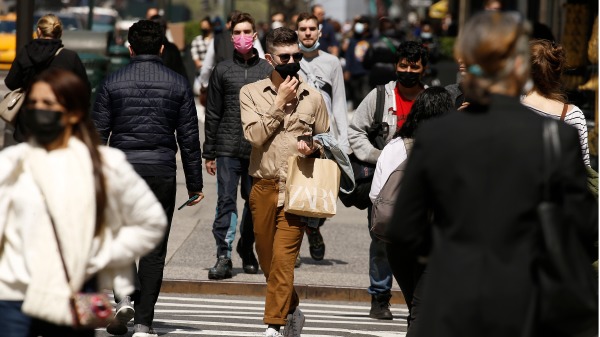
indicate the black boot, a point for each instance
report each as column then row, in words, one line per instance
column 221, row 270
column 249, row 262
column 380, row 307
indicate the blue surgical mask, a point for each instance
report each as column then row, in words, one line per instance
column 308, row 50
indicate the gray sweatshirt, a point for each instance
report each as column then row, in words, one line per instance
column 362, row 120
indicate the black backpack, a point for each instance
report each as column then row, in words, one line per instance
column 363, row 171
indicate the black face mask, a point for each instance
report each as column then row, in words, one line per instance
column 288, row 69
column 408, row 79
column 44, row 125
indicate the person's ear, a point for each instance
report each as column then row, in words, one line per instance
column 73, row 118
column 254, row 36
column 269, row 59
column 162, row 48
column 131, row 52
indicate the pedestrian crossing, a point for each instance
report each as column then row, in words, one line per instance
column 230, row 316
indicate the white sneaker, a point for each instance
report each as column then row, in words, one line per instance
column 294, row 324
column 140, row 330
column 272, row 333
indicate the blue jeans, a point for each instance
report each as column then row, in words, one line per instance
column 229, row 172
column 380, row 273
column 14, row 322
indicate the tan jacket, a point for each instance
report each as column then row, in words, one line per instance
column 273, row 132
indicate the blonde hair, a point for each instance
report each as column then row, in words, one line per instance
column 50, row 26
column 488, row 45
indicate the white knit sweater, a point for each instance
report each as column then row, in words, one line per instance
column 30, row 266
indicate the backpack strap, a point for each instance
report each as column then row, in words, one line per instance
column 379, row 105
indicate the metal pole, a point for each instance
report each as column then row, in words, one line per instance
column 24, row 23
column 90, row 22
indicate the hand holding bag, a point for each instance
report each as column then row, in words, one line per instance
column 312, row 187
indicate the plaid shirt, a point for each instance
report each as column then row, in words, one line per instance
column 199, row 47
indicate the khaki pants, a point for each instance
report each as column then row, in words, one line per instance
column 278, row 240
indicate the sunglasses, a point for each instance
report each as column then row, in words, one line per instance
column 285, row 58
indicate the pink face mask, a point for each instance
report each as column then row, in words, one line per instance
column 243, row 43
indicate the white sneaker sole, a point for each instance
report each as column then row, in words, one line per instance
column 144, row 334
column 119, row 324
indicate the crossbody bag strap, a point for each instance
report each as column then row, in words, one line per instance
column 564, row 112
column 379, row 104
column 58, row 51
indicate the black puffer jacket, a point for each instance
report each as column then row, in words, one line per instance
column 143, row 104
column 223, row 126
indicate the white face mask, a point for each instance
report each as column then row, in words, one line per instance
column 276, row 24
column 308, row 50
column 359, row 28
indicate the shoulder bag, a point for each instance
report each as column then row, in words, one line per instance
column 567, row 291
column 89, row 310
column 363, row 171
column 383, row 206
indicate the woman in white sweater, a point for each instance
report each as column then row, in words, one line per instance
column 104, row 213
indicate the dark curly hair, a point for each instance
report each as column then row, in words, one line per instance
column 145, row 37
column 412, row 51
column 431, row 103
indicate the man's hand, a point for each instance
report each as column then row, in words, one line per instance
column 305, row 149
column 200, row 197
column 287, row 91
column 211, row 166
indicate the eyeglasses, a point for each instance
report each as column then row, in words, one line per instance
column 285, row 58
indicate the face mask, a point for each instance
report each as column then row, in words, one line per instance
column 359, row 28
column 288, row 69
column 408, row 79
column 276, row 24
column 243, row 43
column 426, row 35
column 44, row 125
column 308, row 50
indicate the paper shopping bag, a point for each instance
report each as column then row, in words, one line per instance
column 312, row 187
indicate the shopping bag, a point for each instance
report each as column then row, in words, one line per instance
column 11, row 104
column 312, row 187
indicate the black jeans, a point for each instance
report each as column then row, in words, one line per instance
column 151, row 266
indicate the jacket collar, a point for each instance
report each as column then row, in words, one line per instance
column 144, row 58
column 239, row 58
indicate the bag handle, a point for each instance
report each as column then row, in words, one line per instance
column 379, row 105
column 564, row 112
column 551, row 153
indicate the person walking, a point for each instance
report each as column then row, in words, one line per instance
column 324, row 72
column 483, row 172
column 227, row 152
column 44, row 52
column 62, row 178
column 147, row 110
column 379, row 59
column 411, row 61
column 431, row 103
column 200, row 43
column 355, row 74
column 275, row 111
column 548, row 61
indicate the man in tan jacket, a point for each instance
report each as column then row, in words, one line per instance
column 275, row 111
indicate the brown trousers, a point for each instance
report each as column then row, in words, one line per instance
column 278, row 240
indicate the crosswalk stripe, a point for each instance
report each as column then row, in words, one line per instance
column 252, row 312
column 308, row 320
column 261, row 326
column 322, row 305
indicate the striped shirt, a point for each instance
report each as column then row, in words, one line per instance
column 575, row 118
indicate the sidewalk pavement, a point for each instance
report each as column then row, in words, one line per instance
column 341, row 275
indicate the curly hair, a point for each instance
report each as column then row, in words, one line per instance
column 431, row 103
column 145, row 37
column 412, row 51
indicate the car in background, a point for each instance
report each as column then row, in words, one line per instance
column 8, row 33
column 8, row 40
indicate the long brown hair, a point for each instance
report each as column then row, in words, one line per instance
column 72, row 93
column 548, row 61
column 489, row 44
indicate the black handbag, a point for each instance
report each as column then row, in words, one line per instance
column 363, row 171
column 567, row 291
